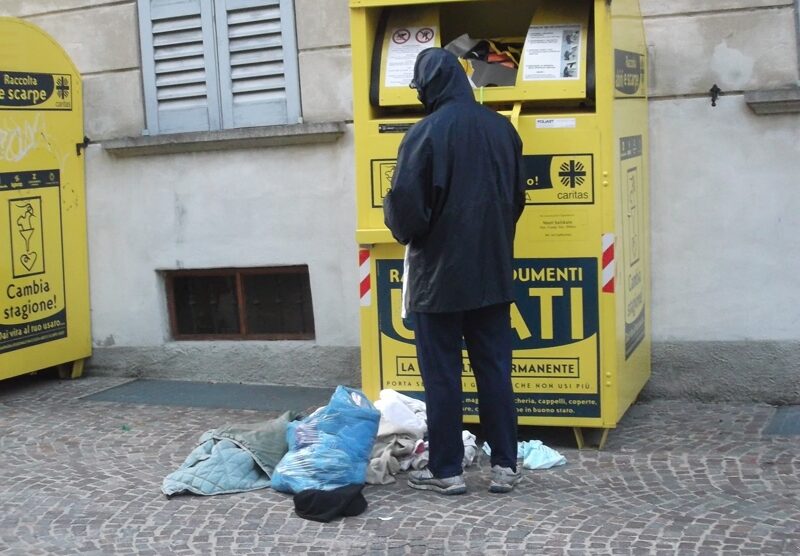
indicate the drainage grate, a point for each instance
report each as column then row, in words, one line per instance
column 221, row 396
column 786, row 422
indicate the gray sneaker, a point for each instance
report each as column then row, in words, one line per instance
column 504, row 479
column 424, row 480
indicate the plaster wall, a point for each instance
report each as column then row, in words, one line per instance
column 724, row 212
column 244, row 208
column 652, row 8
column 726, row 307
column 722, row 179
column 26, row 8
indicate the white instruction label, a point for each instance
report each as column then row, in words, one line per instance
column 552, row 52
column 405, row 43
column 556, row 123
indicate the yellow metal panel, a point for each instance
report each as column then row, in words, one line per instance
column 604, row 108
column 44, row 296
column 376, row 157
column 631, row 145
column 374, row 236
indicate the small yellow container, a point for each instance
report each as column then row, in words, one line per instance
column 44, row 285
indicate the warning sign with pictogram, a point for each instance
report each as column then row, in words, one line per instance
column 425, row 35
column 559, row 179
column 382, row 172
column 401, row 36
column 405, row 44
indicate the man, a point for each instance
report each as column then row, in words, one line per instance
column 456, row 196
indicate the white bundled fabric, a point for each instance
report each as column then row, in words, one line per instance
column 401, row 414
column 470, row 448
column 401, row 429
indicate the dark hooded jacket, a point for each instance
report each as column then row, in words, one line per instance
column 457, row 193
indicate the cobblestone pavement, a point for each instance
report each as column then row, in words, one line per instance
column 82, row 477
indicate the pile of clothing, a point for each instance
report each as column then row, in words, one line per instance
column 488, row 62
column 324, row 459
column 400, row 444
column 321, row 459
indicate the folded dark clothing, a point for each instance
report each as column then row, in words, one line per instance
column 327, row 505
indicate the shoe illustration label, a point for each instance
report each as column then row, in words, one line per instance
column 32, row 300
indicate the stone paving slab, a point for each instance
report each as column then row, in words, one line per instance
column 84, row 477
column 214, row 395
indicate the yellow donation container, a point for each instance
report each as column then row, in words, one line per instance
column 44, row 291
column 570, row 75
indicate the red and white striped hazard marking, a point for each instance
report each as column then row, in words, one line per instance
column 609, row 264
column 364, row 278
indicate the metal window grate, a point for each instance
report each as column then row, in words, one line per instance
column 253, row 304
column 279, row 303
column 205, row 305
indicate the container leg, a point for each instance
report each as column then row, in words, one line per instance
column 581, row 442
column 71, row 370
column 578, row 432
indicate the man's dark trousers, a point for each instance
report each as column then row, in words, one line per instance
column 487, row 335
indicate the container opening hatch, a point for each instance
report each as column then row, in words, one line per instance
column 540, row 53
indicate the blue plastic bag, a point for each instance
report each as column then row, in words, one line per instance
column 331, row 447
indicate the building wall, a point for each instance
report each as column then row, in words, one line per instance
column 726, row 313
column 254, row 207
column 722, row 178
column 726, row 307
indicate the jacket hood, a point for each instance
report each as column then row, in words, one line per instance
column 439, row 79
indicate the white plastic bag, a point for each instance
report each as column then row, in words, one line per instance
column 401, row 414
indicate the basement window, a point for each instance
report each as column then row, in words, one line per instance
column 240, row 304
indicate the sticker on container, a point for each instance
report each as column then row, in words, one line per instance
column 33, row 308
column 556, row 123
column 552, row 52
column 561, row 179
column 555, row 323
column 405, row 43
column 634, row 271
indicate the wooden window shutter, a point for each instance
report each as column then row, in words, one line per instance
column 259, row 83
column 179, row 68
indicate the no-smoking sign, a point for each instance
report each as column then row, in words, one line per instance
column 425, row 35
column 401, row 36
